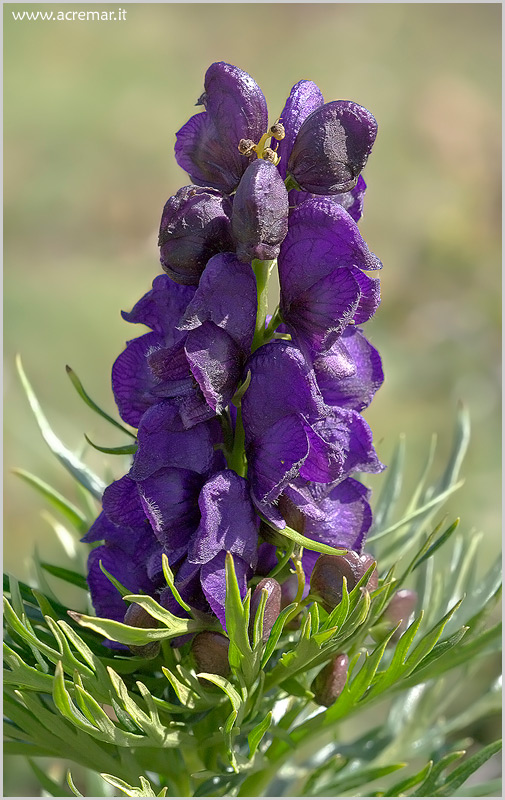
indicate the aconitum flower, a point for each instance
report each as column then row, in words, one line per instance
column 207, row 145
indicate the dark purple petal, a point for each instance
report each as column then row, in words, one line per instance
column 216, row 362
column 321, row 312
column 349, row 431
column 162, row 308
column 228, row 520
column 213, row 578
column 260, row 212
column 169, row 500
column 351, row 372
column 132, row 380
column 275, row 457
column 226, row 296
column 321, row 237
column 282, row 383
column 162, row 444
column 332, row 147
column 370, row 296
column 346, row 518
column 304, row 98
column 352, row 200
column 267, row 558
column 207, row 146
column 195, row 225
column 324, row 462
column 121, row 503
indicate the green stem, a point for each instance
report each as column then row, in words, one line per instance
column 237, row 460
column 262, row 271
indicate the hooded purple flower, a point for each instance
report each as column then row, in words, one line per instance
column 323, row 288
column 207, row 145
column 332, row 147
column 195, row 353
column 291, row 433
column 133, row 382
column 195, row 225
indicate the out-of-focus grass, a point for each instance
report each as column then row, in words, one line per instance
column 91, row 110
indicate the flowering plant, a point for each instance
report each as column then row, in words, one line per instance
column 246, row 600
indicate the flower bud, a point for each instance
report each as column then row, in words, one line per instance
column 195, row 225
column 137, row 617
column 272, row 606
column 332, row 147
column 329, row 571
column 260, row 212
column 210, row 651
column 329, row 683
column 400, row 609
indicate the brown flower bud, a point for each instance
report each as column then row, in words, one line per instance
column 272, row 606
column 137, row 617
column 210, row 651
column 277, row 130
column 400, row 609
column 329, row 571
column 246, row 147
column 329, row 683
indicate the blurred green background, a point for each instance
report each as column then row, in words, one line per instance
column 91, row 110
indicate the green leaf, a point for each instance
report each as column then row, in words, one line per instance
column 439, row 542
column 257, row 733
column 75, row 791
column 303, row 541
column 399, row 789
column 119, row 632
column 64, row 506
column 227, row 688
column 67, row 575
column 123, row 591
column 458, row 776
column 91, row 403
column 359, row 778
column 122, row 450
column 169, row 577
column 69, row 460
column 54, row 789
column 391, row 488
column 276, row 632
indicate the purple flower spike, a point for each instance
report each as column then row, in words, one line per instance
column 332, row 147
column 207, row 145
column 195, row 225
column 260, row 212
